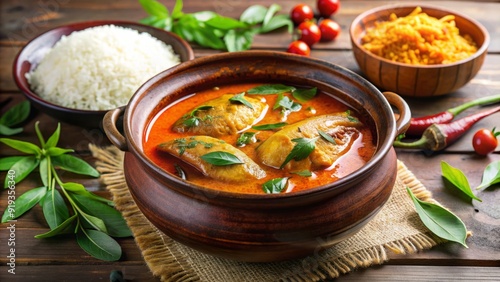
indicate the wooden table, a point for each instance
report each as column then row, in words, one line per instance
column 61, row 259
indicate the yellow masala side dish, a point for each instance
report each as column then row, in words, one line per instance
column 419, row 39
column 259, row 138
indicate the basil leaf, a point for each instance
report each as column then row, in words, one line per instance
column 239, row 98
column 206, row 37
column 491, row 175
column 74, row 164
column 44, row 169
column 98, row 244
column 22, row 146
column 7, row 131
column 15, row 115
column 277, row 22
column 305, row 173
column 64, row 228
column 246, row 138
column 286, row 104
column 254, row 14
column 24, row 203
column 301, row 150
column 239, row 40
column 54, row 138
column 458, row 179
column 203, row 16
column 327, row 136
column 440, row 221
column 93, row 221
column 112, row 219
column 269, row 126
column 225, row 23
column 221, row 158
column 177, row 10
column 268, row 89
column 273, row 9
column 305, row 95
column 79, row 189
column 154, row 21
column 154, row 8
column 275, row 186
column 23, row 167
column 56, row 151
column 7, row 162
column 192, row 122
column 54, row 208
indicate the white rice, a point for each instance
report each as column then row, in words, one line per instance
column 99, row 68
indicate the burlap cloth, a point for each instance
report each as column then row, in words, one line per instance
column 396, row 228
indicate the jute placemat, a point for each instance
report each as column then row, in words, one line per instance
column 396, row 228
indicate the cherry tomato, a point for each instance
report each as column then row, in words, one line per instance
column 301, row 13
column 329, row 29
column 309, row 32
column 485, row 141
column 299, row 47
column 327, row 8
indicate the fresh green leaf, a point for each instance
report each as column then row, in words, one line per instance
column 273, row 9
column 221, row 158
column 54, row 138
column 277, row 22
column 269, row 89
column 275, row 186
column 56, row 151
column 98, row 244
column 286, row 104
column 305, row 95
column 203, row 16
column 22, row 146
column 246, row 138
column 305, row 173
column 154, row 21
column 192, row 122
column 269, row 126
column 200, row 108
column 440, row 221
column 7, row 162
column 23, row 167
column 177, row 10
column 239, row 98
column 154, row 8
column 7, row 131
column 74, row 164
column 24, row 203
column 239, row 40
column 327, row 136
column 458, row 179
column 301, row 150
column 225, row 23
column 491, row 175
column 15, row 115
column 54, row 208
column 254, row 14
column 207, row 37
column 93, row 221
column 112, row 219
column 44, row 170
column 64, row 228
column 79, row 189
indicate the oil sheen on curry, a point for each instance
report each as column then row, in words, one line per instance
column 259, row 138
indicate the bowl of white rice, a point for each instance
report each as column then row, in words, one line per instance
column 78, row 72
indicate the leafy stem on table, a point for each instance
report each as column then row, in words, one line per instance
column 92, row 218
column 14, row 116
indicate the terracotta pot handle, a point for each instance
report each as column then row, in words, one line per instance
column 114, row 135
column 404, row 113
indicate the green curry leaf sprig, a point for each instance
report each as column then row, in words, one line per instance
column 67, row 206
column 12, row 117
column 209, row 29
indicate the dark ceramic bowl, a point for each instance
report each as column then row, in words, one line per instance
column 251, row 227
column 418, row 80
column 29, row 57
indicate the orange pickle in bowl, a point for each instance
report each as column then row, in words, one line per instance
column 269, row 138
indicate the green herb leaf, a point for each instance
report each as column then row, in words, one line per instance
column 239, row 40
column 154, row 8
column 64, row 228
column 79, row 189
column 254, row 14
column 15, row 115
column 93, row 221
column 269, row 126
column 54, row 208
column 440, row 221
column 277, row 22
column 225, row 23
column 458, row 179
column 327, row 136
column 221, row 158
column 98, row 244
column 7, row 131
column 275, row 186
column 154, row 21
column 491, row 175
column 74, row 164
column 273, row 9
column 246, row 138
column 200, row 108
column 286, row 104
column 269, row 89
column 305, row 173
column 301, row 150
column 177, row 10
column 7, row 162
column 191, row 122
column 23, row 203
column 44, row 170
column 305, row 95
column 23, row 167
column 56, row 151
column 22, row 146
column 239, row 98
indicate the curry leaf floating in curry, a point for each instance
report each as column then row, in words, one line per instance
column 270, row 126
column 326, row 136
column 246, row 138
column 286, row 105
column 304, row 95
column 301, row 150
column 275, row 186
column 269, row 89
column 305, row 173
column 239, row 98
column 221, row 158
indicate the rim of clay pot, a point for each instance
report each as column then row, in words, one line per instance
column 134, row 133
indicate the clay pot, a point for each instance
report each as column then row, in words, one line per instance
column 250, row 227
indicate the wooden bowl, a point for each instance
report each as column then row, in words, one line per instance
column 417, row 80
column 258, row 227
column 31, row 54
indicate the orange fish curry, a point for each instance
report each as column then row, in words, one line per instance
column 259, row 138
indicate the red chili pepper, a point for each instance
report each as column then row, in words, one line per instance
column 438, row 136
column 419, row 124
